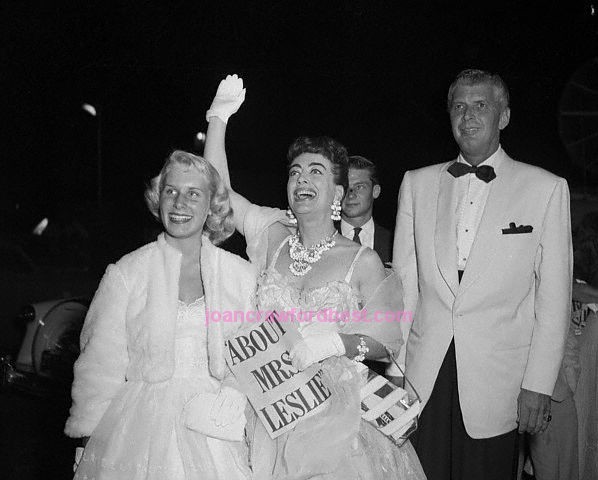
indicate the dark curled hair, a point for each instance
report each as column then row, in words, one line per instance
column 330, row 149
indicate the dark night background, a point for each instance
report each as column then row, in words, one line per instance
column 373, row 74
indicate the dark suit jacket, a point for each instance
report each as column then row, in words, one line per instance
column 383, row 242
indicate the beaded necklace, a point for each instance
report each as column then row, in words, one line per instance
column 303, row 257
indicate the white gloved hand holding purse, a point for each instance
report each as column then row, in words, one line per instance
column 315, row 348
column 229, row 97
column 228, row 406
column 218, row 415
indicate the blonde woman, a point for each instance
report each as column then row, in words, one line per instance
column 148, row 354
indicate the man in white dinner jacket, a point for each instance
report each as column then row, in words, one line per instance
column 483, row 247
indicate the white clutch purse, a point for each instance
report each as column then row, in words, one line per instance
column 196, row 416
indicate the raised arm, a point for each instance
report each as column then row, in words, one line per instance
column 229, row 97
column 261, row 226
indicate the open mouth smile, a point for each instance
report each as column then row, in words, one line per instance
column 469, row 131
column 303, row 194
column 179, row 217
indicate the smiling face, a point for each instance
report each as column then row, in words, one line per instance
column 359, row 201
column 477, row 117
column 184, row 202
column 311, row 186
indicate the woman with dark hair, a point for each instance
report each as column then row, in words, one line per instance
column 307, row 267
column 151, row 386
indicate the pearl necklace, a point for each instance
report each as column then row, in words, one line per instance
column 302, row 256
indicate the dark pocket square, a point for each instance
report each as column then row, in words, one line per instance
column 513, row 229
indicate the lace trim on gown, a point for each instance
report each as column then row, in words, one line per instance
column 142, row 436
column 336, row 444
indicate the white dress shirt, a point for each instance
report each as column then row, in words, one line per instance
column 472, row 195
column 366, row 236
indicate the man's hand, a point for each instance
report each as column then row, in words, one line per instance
column 533, row 411
column 228, row 99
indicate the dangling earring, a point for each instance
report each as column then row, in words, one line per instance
column 291, row 216
column 336, row 210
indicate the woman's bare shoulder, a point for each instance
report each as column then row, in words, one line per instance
column 369, row 267
column 277, row 233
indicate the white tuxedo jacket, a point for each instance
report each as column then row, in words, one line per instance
column 510, row 313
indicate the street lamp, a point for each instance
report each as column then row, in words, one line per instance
column 96, row 112
column 199, row 142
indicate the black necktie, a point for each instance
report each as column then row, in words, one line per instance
column 356, row 232
column 483, row 172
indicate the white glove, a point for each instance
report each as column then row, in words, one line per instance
column 196, row 416
column 314, row 348
column 229, row 97
column 228, row 406
column 78, row 456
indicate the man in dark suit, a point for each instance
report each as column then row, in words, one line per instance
column 357, row 222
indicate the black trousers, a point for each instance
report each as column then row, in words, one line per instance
column 445, row 450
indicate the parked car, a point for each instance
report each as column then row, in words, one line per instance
column 50, row 346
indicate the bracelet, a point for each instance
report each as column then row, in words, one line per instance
column 362, row 349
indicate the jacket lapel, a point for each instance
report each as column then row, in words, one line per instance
column 486, row 242
column 445, row 236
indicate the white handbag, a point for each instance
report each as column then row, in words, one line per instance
column 392, row 410
column 196, row 416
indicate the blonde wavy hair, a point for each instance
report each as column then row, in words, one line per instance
column 219, row 223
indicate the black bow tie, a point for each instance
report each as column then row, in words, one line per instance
column 483, row 172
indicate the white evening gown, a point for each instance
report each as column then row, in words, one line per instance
column 334, row 444
column 142, row 435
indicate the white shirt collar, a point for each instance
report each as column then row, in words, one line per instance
column 347, row 228
column 493, row 160
column 366, row 235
